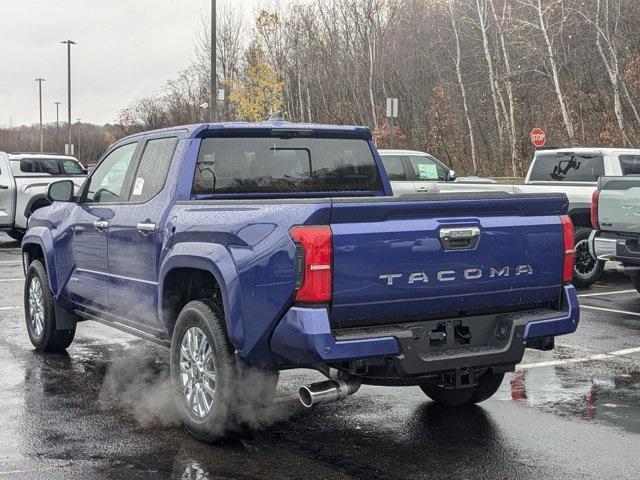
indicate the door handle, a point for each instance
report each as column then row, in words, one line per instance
column 422, row 189
column 101, row 224
column 4, row 187
column 146, row 228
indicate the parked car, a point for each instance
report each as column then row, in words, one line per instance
column 574, row 172
column 615, row 216
column 252, row 248
column 24, row 178
column 411, row 171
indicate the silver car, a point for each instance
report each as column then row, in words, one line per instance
column 24, row 179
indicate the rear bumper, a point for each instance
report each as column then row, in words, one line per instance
column 611, row 246
column 304, row 338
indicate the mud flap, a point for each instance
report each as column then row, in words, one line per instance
column 65, row 320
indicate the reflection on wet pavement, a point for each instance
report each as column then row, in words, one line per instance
column 610, row 395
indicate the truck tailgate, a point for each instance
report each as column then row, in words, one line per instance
column 619, row 204
column 444, row 254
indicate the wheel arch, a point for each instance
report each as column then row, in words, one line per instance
column 38, row 245
column 39, row 199
column 581, row 217
column 185, row 273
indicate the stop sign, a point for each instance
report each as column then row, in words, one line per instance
column 538, row 137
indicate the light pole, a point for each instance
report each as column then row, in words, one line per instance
column 69, row 43
column 40, row 80
column 213, row 104
column 57, row 124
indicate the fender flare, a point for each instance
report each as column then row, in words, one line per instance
column 42, row 237
column 32, row 200
column 215, row 259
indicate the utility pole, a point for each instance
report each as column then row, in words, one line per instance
column 57, row 124
column 213, row 101
column 69, row 43
column 40, row 80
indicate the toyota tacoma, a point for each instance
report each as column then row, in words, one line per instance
column 252, row 248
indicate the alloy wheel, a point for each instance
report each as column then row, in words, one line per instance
column 197, row 374
column 36, row 306
column 585, row 264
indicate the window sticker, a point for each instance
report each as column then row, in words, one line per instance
column 427, row 171
column 138, row 186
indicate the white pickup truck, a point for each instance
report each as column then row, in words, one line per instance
column 572, row 171
column 24, row 178
column 616, row 222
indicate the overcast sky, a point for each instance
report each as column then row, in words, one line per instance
column 126, row 49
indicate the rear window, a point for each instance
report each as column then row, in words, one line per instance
column 282, row 165
column 630, row 164
column 567, row 168
column 48, row 166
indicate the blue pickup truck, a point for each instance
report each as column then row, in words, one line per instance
column 252, row 248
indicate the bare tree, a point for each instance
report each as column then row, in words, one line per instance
column 463, row 92
column 542, row 12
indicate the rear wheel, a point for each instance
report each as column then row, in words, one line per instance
column 487, row 385
column 586, row 270
column 40, row 313
column 210, row 392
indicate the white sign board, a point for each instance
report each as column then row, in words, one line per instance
column 220, row 95
column 392, row 108
column 68, row 149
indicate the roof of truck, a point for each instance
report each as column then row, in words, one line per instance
column 203, row 129
column 389, row 151
column 600, row 150
column 21, row 155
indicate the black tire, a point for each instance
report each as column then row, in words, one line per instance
column 487, row 385
column 234, row 394
column 635, row 281
column 587, row 270
column 40, row 314
column 17, row 235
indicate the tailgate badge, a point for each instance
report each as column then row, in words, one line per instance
column 459, row 238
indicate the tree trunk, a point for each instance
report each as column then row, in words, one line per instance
column 482, row 10
column 568, row 124
column 463, row 91
column 372, row 46
column 509, row 89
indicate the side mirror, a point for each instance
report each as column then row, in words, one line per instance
column 452, row 175
column 61, row 191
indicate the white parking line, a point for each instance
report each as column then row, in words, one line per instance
column 10, row 308
column 9, row 262
column 603, row 293
column 11, row 279
column 611, row 310
column 591, row 358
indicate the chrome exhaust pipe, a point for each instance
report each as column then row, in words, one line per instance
column 328, row 391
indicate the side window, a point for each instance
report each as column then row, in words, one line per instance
column 630, row 164
column 28, row 165
column 107, row 181
column 427, row 168
column 394, row 167
column 153, row 168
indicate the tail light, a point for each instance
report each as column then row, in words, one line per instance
column 595, row 223
column 314, row 259
column 568, row 246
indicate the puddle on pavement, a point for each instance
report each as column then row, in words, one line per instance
column 602, row 392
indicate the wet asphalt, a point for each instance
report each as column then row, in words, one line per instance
column 103, row 411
